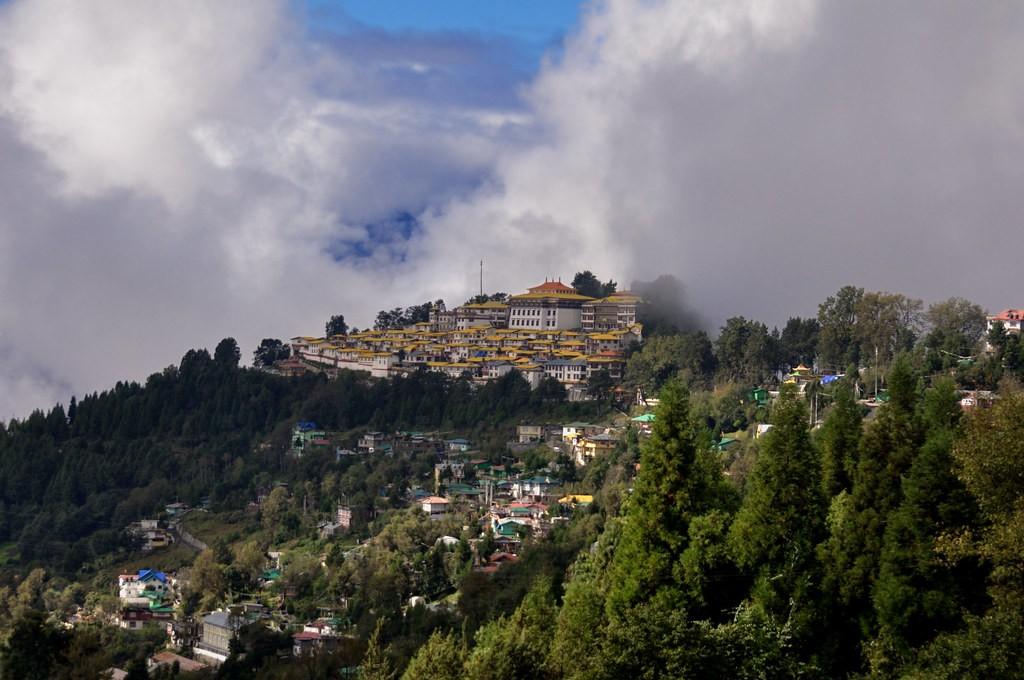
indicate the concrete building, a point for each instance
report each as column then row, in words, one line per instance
column 219, row 629
column 618, row 310
column 493, row 313
column 551, row 305
column 435, row 506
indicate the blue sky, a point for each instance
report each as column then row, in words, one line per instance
column 536, row 25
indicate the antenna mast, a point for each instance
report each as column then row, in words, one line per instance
column 481, row 278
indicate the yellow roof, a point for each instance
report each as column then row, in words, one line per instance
column 493, row 304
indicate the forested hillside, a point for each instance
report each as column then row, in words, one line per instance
column 71, row 480
column 866, row 520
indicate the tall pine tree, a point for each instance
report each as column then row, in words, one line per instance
column 838, row 441
column 857, row 522
column 781, row 520
column 678, row 480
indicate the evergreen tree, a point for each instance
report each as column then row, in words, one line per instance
column 576, row 645
column 440, row 658
column 838, row 440
column 780, row 522
column 857, row 521
column 515, row 647
column 376, row 664
column 678, row 480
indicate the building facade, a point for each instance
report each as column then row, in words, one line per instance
column 618, row 310
column 551, row 305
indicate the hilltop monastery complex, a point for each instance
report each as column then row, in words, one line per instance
column 551, row 330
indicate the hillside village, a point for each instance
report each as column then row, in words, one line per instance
column 508, row 503
column 549, row 331
column 199, row 585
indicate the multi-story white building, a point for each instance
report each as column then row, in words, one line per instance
column 618, row 310
column 566, row 371
column 493, row 313
column 550, row 306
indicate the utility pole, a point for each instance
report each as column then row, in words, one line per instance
column 481, row 278
column 876, row 372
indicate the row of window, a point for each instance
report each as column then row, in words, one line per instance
column 531, row 312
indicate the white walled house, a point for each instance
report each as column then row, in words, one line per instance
column 435, row 506
column 550, row 306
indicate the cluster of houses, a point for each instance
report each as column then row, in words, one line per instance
column 145, row 596
column 508, row 503
column 581, row 442
column 550, row 330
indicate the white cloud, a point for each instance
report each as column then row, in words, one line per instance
column 174, row 174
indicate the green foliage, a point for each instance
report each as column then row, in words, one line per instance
column 579, row 629
column 208, row 429
column 838, row 441
column 440, row 658
column 780, row 522
column 888, row 323
column 516, row 647
column 745, row 351
column 34, row 648
column 399, row 318
column 657, row 640
column 837, row 315
column 375, row 664
column 480, row 299
column 678, row 480
column 587, row 284
column 711, row 581
column 336, row 326
column 270, row 350
column 688, row 356
column 956, row 327
column 799, row 341
column 227, row 353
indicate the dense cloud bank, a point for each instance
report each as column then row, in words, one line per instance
column 170, row 176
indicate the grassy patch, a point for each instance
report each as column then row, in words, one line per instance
column 230, row 527
column 171, row 558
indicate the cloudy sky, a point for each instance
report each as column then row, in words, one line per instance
column 173, row 173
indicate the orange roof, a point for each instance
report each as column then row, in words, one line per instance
column 553, row 287
column 1008, row 315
